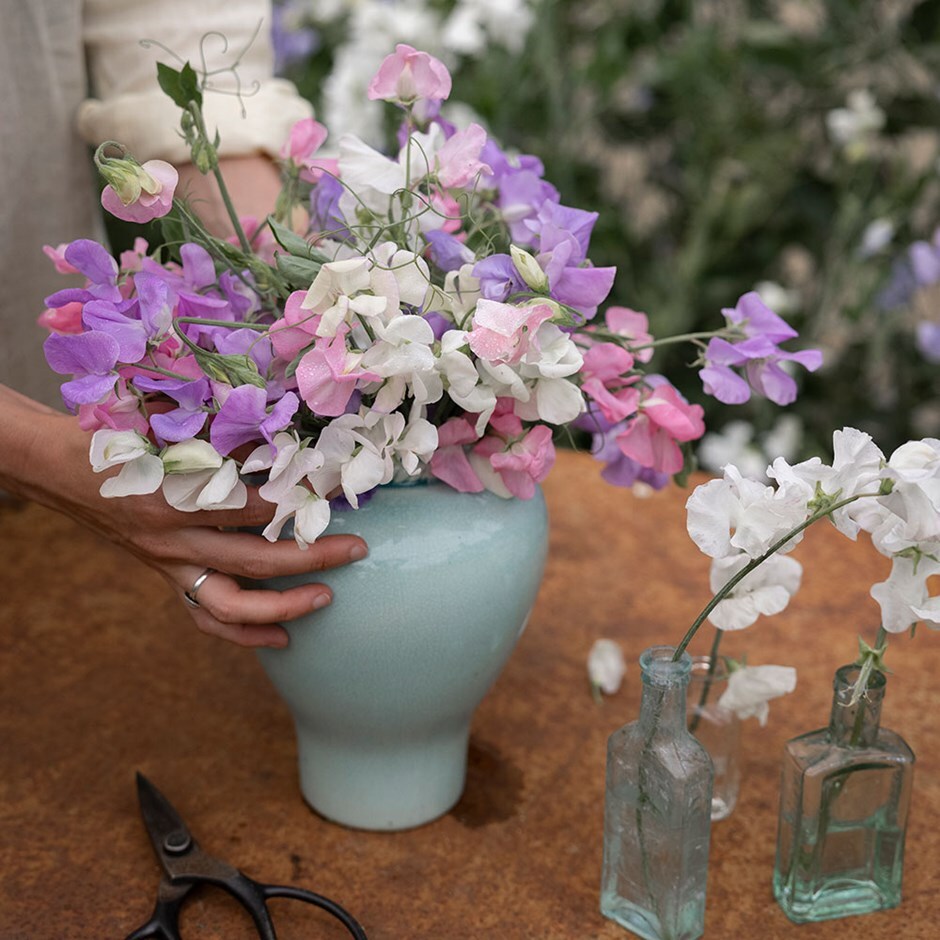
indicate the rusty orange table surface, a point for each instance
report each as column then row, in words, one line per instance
column 101, row 674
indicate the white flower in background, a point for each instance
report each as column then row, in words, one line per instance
column 473, row 24
column 905, row 597
column 781, row 300
column 854, row 127
column 735, row 514
column 765, row 591
column 606, row 666
column 736, row 444
column 401, row 354
column 141, row 468
column 344, row 291
column 750, row 688
column 876, row 237
column 464, row 383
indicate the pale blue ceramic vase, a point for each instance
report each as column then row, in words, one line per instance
column 383, row 683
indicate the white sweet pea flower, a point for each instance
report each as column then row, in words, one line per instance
column 735, row 514
column 853, row 126
column 781, row 300
column 402, row 353
column 857, row 468
column 905, row 597
column 310, row 513
column 750, row 688
column 346, row 290
column 464, row 383
column 415, row 445
column 765, row 591
column 141, row 469
column 914, row 502
column 411, row 272
column 606, row 666
column 462, row 293
column 213, row 488
column 351, row 457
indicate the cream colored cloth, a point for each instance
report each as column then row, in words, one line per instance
column 47, row 193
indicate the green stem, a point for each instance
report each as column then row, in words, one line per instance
column 709, row 680
column 228, row 324
column 733, row 581
column 223, row 189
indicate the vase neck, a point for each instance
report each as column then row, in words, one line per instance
column 662, row 707
column 856, row 725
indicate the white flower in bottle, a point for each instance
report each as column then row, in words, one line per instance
column 765, row 591
column 750, row 688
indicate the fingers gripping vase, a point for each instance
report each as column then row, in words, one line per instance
column 383, row 683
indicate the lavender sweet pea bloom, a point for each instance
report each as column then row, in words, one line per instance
column 758, row 354
column 243, row 417
column 325, row 215
column 447, row 252
column 91, row 358
column 189, row 418
column 101, row 270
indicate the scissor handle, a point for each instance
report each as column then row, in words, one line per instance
column 164, row 921
column 310, row 897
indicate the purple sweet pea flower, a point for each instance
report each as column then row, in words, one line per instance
column 101, row 270
column 246, row 342
column 498, row 278
column 438, row 322
column 188, row 419
column 925, row 260
column 291, row 41
column 758, row 355
column 325, row 215
column 446, row 251
column 243, row 417
column 110, row 318
column 91, row 358
column 928, row 340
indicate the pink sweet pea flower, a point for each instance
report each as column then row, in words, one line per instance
column 296, row 330
column 306, row 138
column 149, row 194
column 57, row 256
column 449, row 462
column 120, row 411
column 458, row 161
column 607, row 380
column 64, row 319
column 407, row 75
column 663, row 419
column 328, row 374
column 505, row 332
column 634, row 326
column 525, row 461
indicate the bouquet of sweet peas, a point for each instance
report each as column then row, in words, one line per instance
column 438, row 316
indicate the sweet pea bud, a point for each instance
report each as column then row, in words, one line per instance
column 529, row 269
column 191, row 456
column 124, row 174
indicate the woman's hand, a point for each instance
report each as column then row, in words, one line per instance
column 44, row 457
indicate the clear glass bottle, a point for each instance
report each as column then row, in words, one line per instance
column 844, row 798
column 657, row 811
column 718, row 729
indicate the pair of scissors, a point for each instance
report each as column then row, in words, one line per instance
column 186, row 867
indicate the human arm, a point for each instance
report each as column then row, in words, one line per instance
column 44, row 457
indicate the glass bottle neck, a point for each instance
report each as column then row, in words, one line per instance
column 856, row 725
column 662, row 707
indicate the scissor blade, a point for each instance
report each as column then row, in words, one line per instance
column 161, row 819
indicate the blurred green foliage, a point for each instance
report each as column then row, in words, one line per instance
column 698, row 131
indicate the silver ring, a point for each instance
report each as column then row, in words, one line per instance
column 190, row 595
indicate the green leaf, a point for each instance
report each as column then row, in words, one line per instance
column 182, row 85
column 298, row 272
column 293, row 244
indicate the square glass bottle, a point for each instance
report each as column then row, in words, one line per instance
column 657, row 811
column 844, row 798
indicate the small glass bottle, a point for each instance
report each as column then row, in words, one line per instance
column 657, row 811
column 844, row 798
column 719, row 731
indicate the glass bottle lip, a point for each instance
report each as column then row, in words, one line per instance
column 846, row 676
column 659, row 668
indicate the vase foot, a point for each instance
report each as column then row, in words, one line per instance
column 382, row 785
